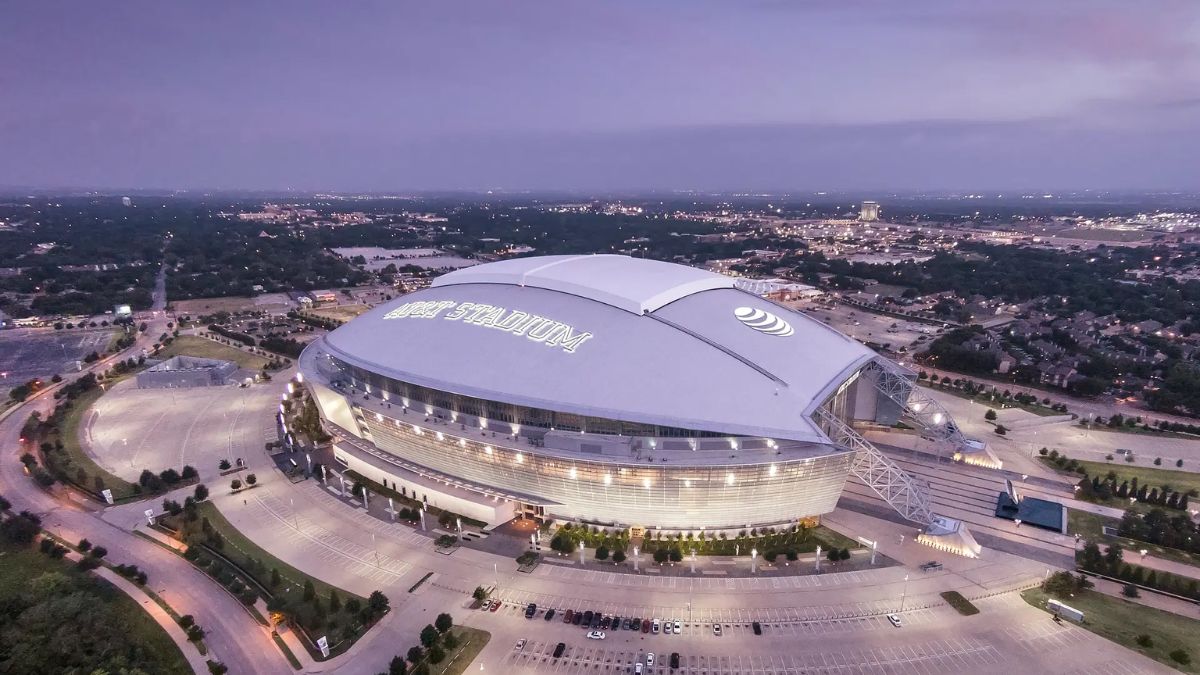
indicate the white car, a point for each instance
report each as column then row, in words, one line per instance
column 678, row 628
column 654, row 627
column 895, row 619
column 596, row 635
column 487, row 604
column 649, row 659
column 666, row 627
column 637, row 669
column 717, row 629
column 520, row 644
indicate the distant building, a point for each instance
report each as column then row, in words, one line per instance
column 869, row 212
column 186, row 371
column 126, row 201
column 323, row 296
column 122, row 311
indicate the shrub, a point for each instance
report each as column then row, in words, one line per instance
column 436, row 654
column 618, row 556
column 443, row 623
column 223, row 465
column 186, row 621
column 1145, row 641
column 195, row 633
column 1181, row 657
column 189, row 472
column 990, row 415
column 98, row 552
column 1131, row 591
column 251, row 479
column 235, row 484
column 1043, row 452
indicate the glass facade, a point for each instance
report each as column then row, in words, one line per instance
column 623, row 493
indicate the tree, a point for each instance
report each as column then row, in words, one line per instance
column 201, row 492
column 310, row 591
column 1130, row 591
column 602, row 552
column 415, row 654
column 1001, row 429
column 275, row 579
column 251, row 479
column 661, row 555
column 98, row 552
column 1061, row 584
column 84, row 545
column 397, row 666
column 443, row 623
column 235, row 484
column 223, row 465
column 429, row 636
column 449, row 641
column 990, row 415
column 845, row 554
column 480, row 593
column 618, row 556
column 833, row 555
column 189, row 473
column 436, row 654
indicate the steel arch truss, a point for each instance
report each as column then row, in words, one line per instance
column 898, row 384
column 905, row 493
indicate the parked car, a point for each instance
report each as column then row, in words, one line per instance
column 596, row 620
column 530, row 610
column 616, row 623
column 655, row 627
column 677, row 627
column 649, row 659
column 605, row 623
column 577, row 619
column 674, row 660
column 626, row 623
column 717, row 629
column 496, row 605
column 637, row 669
column 487, row 604
column 646, row 625
column 895, row 619
column 596, row 635
column 570, row 614
column 757, row 628
column 558, row 651
column 666, row 627
column 550, row 614
column 587, row 618
column 520, row 644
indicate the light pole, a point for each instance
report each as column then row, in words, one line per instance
column 636, row 558
column 904, row 593
column 581, row 554
column 693, row 570
column 295, row 516
column 754, row 561
column 817, row 559
column 458, row 521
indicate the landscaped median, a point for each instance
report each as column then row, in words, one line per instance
column 309, row 605
column 1165, row 637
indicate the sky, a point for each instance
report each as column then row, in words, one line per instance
column 770, row 95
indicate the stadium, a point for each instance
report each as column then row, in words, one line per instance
column 607, row 390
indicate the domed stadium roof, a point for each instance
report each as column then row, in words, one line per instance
column 610, row 336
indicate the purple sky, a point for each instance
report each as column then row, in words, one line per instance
column 766, row 94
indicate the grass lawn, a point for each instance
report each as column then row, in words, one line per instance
column 121, row 488
column 1088, row 525
column 239, row 549
column 194, row 345
column 987, row 400
column 339, row 312
column 1122, row 621
column 1146, row 475
column 133, row 635
column 471, row 642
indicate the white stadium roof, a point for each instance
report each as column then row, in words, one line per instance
column 610, row 336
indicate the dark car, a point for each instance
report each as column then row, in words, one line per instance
column 587, row 618
column 530, row 611
column 636, row 624
column 605, row 623
column 577, row 619
column 626, row 623
column 558, row 651
column 570, row 614
column 757, row 628
column 646, row 626
column 550, row 614
column 596, row 620
column 674, row 659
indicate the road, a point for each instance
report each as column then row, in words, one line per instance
column 233, row 636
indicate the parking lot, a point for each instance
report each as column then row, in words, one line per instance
column 946, row 656
column 28, row 353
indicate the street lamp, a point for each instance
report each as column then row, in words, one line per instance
column 754, row 561
column 904, row 593
column 636, row 558
column 581, row 554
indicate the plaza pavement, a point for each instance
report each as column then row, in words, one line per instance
column 232, row 636
column 312, row 528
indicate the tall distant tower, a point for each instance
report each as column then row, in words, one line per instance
column 869, row 212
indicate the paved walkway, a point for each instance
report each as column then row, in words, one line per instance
column 233, row 637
